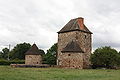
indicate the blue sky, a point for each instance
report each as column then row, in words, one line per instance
column 39, row 21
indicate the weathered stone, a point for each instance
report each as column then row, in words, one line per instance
column 71, row 60
column 33, row 56
column 74, row 59
column 33, row 59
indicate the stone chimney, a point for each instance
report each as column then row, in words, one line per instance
column 81, row 22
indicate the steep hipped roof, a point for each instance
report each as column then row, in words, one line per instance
column 75, row 25
column 33, row 50
column 72, row 47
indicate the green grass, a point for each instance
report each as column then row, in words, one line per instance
column 8, row 73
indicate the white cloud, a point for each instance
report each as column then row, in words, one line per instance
column 39, row 20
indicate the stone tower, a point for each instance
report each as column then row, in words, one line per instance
column 74, row 45
column 33, row 56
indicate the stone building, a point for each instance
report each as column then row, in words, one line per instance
column 33, row 56
column 74, row 45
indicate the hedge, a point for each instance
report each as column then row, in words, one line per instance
column 6, row 62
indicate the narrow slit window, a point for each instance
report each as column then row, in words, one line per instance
column 85, row 36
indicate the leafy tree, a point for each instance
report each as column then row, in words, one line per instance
column 105, row 57
column 119, row 52
column 4, row 53
column 18, row 52
column 42, row 51
column 50, row 56
column 0, row 54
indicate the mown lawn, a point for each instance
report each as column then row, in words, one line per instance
column 8, row 73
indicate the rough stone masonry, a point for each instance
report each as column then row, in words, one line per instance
column 33, row 56
column 74, row 45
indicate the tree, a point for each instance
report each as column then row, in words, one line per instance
column 4, row 53
column 0, row 54
column 18, row 52
column 50, row 56
column 105, row 57
column 42, row 51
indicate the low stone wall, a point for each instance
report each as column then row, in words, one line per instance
column 28, row 66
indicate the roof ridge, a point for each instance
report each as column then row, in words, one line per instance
column 72, row 46
column 34, row 50
column 73, row 25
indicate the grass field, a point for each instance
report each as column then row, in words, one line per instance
column 8, row 73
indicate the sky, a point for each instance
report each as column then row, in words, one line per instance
column 38, row 21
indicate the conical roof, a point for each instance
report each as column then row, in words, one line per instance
column 33, row 50
column 75, row 25
column 72, row 47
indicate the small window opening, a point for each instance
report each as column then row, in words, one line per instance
column 69, row 55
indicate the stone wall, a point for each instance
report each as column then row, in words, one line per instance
column 63, row 40
column 72, row 60
column 84, row 40
column 33, row 59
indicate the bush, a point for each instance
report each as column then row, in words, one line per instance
column 6, row 62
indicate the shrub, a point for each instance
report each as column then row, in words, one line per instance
column 6, row 62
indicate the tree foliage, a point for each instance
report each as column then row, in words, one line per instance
column 105, row 57
column 50, row 56
column 4, row 53
column 42, row 51
column 18, row 52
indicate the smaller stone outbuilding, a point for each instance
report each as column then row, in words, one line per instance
column 33, row 56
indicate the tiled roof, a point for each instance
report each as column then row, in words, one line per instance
column 75, row 25
column 33, row 50
column 72, row 47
